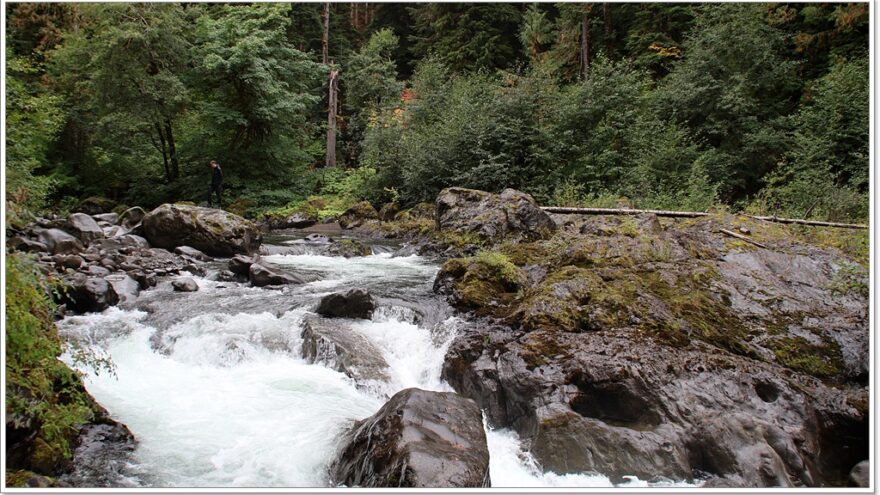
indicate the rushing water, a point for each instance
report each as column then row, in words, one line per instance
column 214, row 387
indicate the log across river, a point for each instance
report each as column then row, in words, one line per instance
column 214, row 386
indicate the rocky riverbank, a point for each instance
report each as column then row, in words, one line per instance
column 623, row 345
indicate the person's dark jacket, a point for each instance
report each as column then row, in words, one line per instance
column 217, row 178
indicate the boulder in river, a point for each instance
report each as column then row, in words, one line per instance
column 418, row 439
column 214, row 231
column 126, row 287
column 241, row 264
column 85, row 294
column 348, row 248
column 357, row 215
column 492, row 216
column 185, row 284
column 356, row 303
column 261, row 276
column 192, row 253
column 343, row 349
column 84, row 227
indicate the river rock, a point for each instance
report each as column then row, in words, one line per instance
column 85, row 294
column 860, row 476
column 69, row 260
column 214, row 231
column 20, row 243
column 343, row 349
column 261, row 276
column 388, row 211
column 132, row 217
column 59, row 241
column 348, row 248
column 492, row 216
column 300, row 221
column 667, row 411
column 84, row 227
column 417, row 439
column 97, row 271
column 192, row 253
column 111, row 218
column 185, row 284
column 241, row 264
column 356, row 303
column 357, row 215
column 126, row 287
column 113, row 231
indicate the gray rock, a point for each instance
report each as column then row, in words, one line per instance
column 132, row 217
column 84, row 227
column 342, row 349
column 240, row 264
column 111, row 218
column 357, row 215
column 185, row 284
column 262, row 276
column 192, row 253
column 299, row 221
column 114, row 231
column 69, row 260
column 88, row 294
column 417, row 439
column 24, row 244
column 492, row 216
column 97, row 271
column 126, row 287
column 356, row 303
column 214, row 231
column 59, row 241
column 348, row 248
column 860, row 475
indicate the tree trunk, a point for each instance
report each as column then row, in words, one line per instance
column 172, row 150
column 585, row 42
column 609, row 28
column 164, row 152
column 331, row 119
column 325, row 39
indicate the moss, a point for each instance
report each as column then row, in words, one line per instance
column 540, row 348
column 488, row 279
column 819, row 360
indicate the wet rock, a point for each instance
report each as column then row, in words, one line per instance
column 132, row 217
column 417, row 439
column 240, row 264
column 144, row 280
column 299, row 221
column 318, row 239
column 84, row 227
column 97, row 271
column 111, row 218
column 261, row 276
column 68, row 261
column 27, row 245
column 126, row 287
column 356, row 303
column 860, row 476
column 668, row 411
column 192, row 253
column 214, row 231
column 185, row 284
column 357, row 215
column 343, row 349
column 349, row 248
column 59, row 241
column 492, row 216
column 88, row 294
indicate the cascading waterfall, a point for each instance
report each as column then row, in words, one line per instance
column 214, row 386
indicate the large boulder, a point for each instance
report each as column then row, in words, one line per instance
column 356, row 303
column 214, row 231
column 126, row 287
column 59, row 241
column 192, row 253
column 111, row 218
column 241, row 264
column 492, row 216
column 185, row 284
column 357, row 215
column 132, row 217
column 262, row 276
column 83, row 294
column 342, row 349
column 417, row 439
column 348, row 248
column 84, row 227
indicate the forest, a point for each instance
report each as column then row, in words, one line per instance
column 752, row 107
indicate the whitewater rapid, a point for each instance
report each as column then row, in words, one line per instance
column 215, row 389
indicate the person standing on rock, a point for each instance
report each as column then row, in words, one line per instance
column 216, row 185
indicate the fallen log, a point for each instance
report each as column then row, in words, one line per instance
column 691, row 214
column 742, row 237
column 811, row 222
column 621, row 211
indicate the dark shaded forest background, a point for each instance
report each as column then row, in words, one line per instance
column 756, row 107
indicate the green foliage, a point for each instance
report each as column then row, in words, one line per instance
column 41, row 390
column 500, row 264
column 33, row 119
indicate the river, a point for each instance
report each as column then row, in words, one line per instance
column 214, row 387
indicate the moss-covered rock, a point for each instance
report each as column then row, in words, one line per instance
column 357, row 215
column 486, row 280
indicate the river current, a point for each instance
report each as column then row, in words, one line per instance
column 214, row 387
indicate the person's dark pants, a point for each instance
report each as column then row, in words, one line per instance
column 216, row 188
